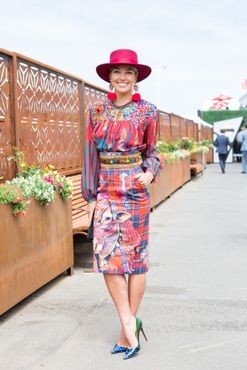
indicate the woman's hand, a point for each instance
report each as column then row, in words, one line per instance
column 90, row 209
column 144, row 178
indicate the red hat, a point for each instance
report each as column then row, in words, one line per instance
column 126, row 57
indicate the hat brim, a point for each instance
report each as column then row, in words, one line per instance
column 103, row 70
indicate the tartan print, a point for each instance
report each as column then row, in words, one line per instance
column 121, row 222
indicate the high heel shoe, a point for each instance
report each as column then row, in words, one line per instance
column 131, row 352
column 118, row 349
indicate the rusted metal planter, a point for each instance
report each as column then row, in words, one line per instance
column 209, row 156
column 172, row 177
column 34, row 249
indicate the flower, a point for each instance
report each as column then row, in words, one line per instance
column 33, row 182
column 170, row 151
column 48, row 179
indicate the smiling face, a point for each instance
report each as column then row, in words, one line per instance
column 123, row 79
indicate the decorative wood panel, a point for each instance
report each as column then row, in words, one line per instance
column 164, row 126
column 190, row 129
column 7, row 167
column 49, row 117
column 93, row 94
column 196, row 131
column 183, row 127
column 175, row 127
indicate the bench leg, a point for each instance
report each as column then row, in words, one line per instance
column 70, row 271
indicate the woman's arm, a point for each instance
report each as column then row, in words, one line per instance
column 90, row 165
column 150, row 157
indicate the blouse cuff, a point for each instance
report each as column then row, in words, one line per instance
column 91, row 200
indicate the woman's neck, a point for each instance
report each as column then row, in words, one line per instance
column 123, row 99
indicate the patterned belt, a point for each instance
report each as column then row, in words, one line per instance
column 112, row 158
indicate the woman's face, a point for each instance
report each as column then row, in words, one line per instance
column 123, row 78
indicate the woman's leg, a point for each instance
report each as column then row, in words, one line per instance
column 136, row 288
column 118, row 289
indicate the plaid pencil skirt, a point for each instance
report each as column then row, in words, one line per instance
column 121, row 220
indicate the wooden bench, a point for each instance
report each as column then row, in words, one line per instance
column 196, row 169
column 79, row 207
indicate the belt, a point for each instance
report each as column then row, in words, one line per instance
column 111, row 158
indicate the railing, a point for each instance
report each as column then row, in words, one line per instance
column 42, row 114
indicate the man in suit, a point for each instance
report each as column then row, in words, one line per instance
column 242, row 138
column 221, row 143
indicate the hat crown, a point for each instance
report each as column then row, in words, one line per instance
column 124, row 56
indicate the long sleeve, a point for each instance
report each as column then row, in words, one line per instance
column 90, row 165
column 150, row 155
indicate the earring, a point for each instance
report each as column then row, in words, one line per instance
column 136, row 97
column 111, row 95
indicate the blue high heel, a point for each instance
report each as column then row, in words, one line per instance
column 118, row 349
column 131, row 352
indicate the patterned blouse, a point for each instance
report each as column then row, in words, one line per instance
column 128, row 128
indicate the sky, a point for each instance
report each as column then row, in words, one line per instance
column 196, row 49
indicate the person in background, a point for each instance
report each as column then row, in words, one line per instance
column 221, row 143
column 242, row 138
column 120, row 161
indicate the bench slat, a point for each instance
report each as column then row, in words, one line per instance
column 79, row 207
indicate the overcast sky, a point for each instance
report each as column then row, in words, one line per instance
column 197, row 49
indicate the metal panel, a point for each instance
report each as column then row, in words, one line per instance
column 190, row 128
column 48, row 116
column 175, row 127
column 164, row 126
column 183, row 127
column 7, row 168
column 93, row 93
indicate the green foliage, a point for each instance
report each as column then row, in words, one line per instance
column 186, row 143
column 171, row 151
column 12, row 195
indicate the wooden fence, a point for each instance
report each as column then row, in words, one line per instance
column 42, row 114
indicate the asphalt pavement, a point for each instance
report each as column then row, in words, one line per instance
column 194, row 310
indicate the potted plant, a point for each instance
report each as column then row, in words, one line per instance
column 38, row 247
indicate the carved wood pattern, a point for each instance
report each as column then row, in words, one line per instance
column 49, row 117
column 93, row 94
column 7, row 167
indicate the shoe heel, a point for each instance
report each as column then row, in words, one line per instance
column 144, row 334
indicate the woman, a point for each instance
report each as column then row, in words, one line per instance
column 120, row 161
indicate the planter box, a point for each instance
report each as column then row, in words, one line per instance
column 198, row 158
column 172, row 177
column 34, row 249
column 209, row 156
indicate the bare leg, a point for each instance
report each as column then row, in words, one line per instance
column 136, row 288
column 137, row 285
column 118, row 289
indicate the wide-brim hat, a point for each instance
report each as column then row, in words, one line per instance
column 126, row 57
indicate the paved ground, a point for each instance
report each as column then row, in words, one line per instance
column 195, row 307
